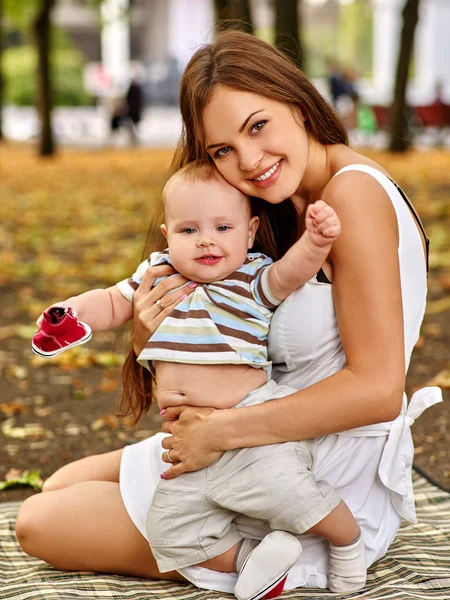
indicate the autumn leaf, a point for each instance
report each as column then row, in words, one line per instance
column 442, row 379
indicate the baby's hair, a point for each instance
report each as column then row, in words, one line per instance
column 194, row 171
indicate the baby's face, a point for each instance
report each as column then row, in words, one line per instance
column 208, row 227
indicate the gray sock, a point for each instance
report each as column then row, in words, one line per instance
column 246, row 546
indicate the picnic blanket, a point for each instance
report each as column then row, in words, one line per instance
column 417, row 566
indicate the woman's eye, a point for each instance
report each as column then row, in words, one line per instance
column 258, row 126
column 223, row 228
column 221, row 152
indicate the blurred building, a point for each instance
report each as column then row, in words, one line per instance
column 163, row 34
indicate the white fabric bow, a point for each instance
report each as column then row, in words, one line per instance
column 398, row 453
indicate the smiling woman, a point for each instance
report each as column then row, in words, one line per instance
column 271, row 135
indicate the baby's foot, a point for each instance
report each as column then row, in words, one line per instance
column 348, row 571
column 264, row 572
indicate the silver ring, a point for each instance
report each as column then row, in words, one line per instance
column 169, row 458
column 160, row 305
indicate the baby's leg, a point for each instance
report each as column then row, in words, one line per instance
column 347, row 571
column 339, row 527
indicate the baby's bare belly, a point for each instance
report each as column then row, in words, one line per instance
column 218, row 386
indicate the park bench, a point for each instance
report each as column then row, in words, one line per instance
column 433, row 119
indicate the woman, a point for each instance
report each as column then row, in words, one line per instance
column 344, row 345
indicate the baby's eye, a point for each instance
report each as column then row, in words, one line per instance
column 223, row 228
column 221, row 152
column 258, row 126
column 189, row 230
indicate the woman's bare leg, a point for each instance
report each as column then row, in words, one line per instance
column 99, row 467
column 81, row 524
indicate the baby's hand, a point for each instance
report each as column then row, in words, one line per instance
column 322, row 223
column 41, row 316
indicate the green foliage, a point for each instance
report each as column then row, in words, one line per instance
column 355, row 36
column 19, row 70
column 27, row 478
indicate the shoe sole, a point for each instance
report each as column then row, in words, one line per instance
column 275, row 587
column 83, row 340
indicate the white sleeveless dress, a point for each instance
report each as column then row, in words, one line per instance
column 369, row 467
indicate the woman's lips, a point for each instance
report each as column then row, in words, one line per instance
column 265, row 183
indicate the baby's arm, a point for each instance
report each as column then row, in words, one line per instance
column 101, row 309
column 305, row 258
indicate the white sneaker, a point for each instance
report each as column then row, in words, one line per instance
column 265, row 569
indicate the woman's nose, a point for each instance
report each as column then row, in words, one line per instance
column 250, row 161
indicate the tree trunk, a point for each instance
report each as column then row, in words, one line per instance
column 287, row 26
column 42, row 32
column 399, row 118
column 237, row 10
column 1, row 75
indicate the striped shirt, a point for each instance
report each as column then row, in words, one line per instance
column 222, row 322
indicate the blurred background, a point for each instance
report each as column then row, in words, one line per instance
column 384, row 63
column 89, row 120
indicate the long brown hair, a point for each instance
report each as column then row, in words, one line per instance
column 242, row 62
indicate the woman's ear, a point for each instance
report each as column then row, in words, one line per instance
column 253, row 225
column 164, row 230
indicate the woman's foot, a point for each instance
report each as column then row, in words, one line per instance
column 263, row 573
column 348, row 571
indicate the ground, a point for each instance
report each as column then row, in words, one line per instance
column 79, row 221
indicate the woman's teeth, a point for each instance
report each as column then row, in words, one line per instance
column 268, row 173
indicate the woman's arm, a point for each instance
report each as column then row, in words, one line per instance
column 367, row 296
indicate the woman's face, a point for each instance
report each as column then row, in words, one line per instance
column 259, row 145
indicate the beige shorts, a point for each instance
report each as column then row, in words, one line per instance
column 191, row 518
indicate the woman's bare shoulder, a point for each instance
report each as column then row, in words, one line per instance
column 342, row 156
column 353, row 184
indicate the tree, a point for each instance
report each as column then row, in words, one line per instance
column 399, row 121
column 287, row 26
column 42, row 33
column 236, row 12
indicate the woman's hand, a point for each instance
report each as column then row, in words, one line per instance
column 192, row 443
column 148, row 300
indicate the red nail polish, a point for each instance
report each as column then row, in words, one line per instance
column 162, row 412
column 183, row 297
column 192, row 284
column 163, row 476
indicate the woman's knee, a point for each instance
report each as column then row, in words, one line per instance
column 33, row 519
column 98, row 467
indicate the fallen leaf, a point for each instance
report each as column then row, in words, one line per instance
column 13, row 408
column 17, row 371
column 12, row 474
column 438, row 306
column 442, row 379
column 29, row 430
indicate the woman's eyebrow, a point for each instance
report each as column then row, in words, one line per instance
column 241, row 129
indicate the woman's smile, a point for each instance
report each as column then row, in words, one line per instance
column 268, row 177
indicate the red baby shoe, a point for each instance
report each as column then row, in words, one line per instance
column 60, row 330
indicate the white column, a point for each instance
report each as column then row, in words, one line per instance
column 432, row 51
column 387, row 21
column 190, row 25
column 115, row 42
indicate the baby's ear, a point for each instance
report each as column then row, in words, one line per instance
column 253, row 225
column 164, row 230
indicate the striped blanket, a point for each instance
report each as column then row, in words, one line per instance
column 417, row 566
